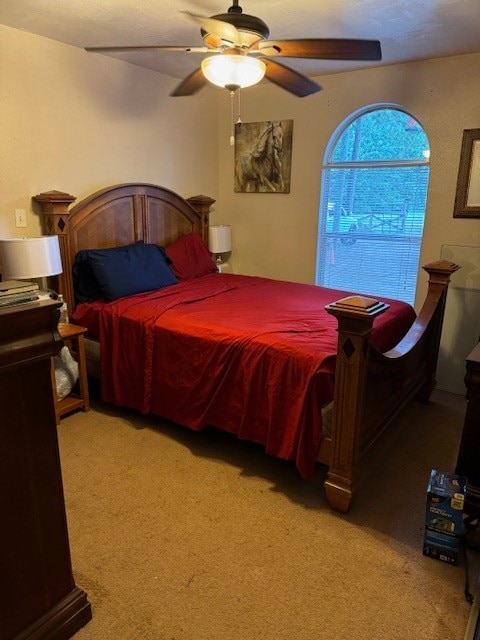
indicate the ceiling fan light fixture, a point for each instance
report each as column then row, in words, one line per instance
column 228, row 70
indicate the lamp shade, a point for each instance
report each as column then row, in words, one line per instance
column 30, row 257
column 233, row 71
column 220, row 238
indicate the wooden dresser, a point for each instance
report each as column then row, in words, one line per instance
column 468, row 461
column 38, row 596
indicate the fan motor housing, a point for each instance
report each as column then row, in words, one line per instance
column 244, row 23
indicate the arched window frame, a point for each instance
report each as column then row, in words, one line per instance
column 329, row 164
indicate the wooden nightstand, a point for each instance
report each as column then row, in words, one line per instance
column 73, row 336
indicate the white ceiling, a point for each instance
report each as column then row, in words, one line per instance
column 407, row 29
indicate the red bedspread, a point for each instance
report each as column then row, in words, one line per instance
column 249, row 355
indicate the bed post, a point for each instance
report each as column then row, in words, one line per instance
column 55, row 209
column 439, row 278
column 355, row 316
column 202, row 205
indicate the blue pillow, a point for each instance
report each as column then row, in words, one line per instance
column 85, row 283
column 129, row 270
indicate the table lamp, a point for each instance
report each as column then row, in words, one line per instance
column 30, row 258
column 220, row 243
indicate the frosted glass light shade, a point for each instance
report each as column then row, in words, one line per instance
column 24, row 258
column 220, row 238
column 233, row 71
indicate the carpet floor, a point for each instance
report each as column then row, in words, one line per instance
column 177, row 535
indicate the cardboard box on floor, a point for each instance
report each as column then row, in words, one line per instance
column 444, row 516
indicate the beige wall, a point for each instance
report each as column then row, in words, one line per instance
column 275, row 234
column 77, row 122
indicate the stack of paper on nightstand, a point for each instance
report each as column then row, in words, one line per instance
column 14, row 292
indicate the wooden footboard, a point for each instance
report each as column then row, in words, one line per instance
column 371, row 387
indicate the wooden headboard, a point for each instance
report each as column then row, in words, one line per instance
column 116, row 216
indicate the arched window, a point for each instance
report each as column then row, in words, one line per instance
column 374, row 193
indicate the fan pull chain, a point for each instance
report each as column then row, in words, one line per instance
column 232, row 114
column 232, row 118
column 239, row 119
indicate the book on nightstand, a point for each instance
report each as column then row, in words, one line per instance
column 19, row 298
column 14, row 287
column 13, row 292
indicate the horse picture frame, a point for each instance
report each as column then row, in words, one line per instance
column 263, row 156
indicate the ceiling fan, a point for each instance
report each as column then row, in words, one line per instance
column 242, row 54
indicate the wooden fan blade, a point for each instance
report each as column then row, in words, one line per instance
column 191, row 84
column 289, row 79
column 153, row 48
column 323, row 49
column 217, row 28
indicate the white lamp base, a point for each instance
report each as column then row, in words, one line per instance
column 224, row 267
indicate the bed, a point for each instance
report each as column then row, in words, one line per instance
column 310, row 373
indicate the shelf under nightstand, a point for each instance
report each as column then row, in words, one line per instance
column 77, row 399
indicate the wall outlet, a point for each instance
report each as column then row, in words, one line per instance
column 20, row 218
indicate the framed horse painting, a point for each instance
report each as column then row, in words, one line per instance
column 263, row 156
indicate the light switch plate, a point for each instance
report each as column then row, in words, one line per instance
column 20, row 218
